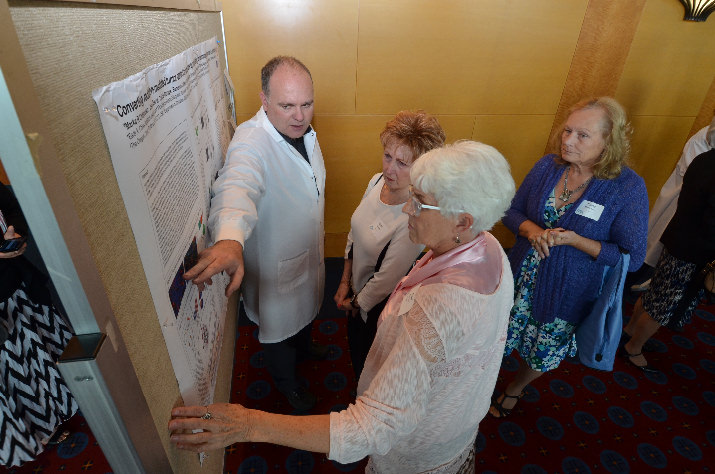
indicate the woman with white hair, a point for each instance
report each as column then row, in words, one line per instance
column 429, row 375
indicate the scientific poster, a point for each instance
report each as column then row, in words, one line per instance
column 167, row 133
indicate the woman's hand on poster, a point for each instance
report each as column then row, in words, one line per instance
column 222, row 423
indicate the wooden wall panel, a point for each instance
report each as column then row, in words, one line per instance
column 670, row 65
column 603, row 46
column 501, row 72
column 667, row 88
column 654, row 159
column 465, row 57
column 522, row 146
column 353, row 154
column 707, row 110
column 321, row 33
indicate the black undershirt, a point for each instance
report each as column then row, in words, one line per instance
column 298, row 143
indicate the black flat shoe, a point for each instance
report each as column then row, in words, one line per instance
column 645, row 368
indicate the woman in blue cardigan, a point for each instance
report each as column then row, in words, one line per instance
column 574, row 214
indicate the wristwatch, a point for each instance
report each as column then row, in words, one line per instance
column 354, row 302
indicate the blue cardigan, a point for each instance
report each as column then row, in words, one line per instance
column 599, row 333
column 569, row 280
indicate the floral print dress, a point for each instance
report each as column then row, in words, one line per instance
column 542, row 345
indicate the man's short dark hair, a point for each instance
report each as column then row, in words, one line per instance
column 272, row 65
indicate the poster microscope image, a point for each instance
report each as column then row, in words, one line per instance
column 167, row 133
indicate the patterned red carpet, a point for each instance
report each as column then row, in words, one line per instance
column 573, row 420
column 77, row 454
column 579, row 420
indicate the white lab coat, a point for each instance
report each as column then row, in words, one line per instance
column 664, row 207
column 268, row 198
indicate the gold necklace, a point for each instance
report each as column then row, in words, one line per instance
column 566, row 194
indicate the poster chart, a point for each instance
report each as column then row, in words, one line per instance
column 167, row 134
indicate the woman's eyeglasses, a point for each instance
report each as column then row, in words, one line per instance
column 417, row 206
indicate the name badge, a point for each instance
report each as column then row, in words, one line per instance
column 590, row 209
column 408, row 300
column 378, row 229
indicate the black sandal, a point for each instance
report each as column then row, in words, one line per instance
column 499, row 406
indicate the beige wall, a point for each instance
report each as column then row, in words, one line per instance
column 497, row 72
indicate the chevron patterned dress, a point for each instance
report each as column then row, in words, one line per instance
column 34, row 399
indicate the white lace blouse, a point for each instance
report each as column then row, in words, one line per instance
column 428, row 378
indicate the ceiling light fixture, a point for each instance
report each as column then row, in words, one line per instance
column 698, row 10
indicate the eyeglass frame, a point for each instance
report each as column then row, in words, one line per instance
column 417, row 205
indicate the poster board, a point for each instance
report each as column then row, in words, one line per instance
column 167, row 132
column 70, row 50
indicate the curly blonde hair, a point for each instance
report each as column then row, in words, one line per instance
column 418, row 131
column 616, row 132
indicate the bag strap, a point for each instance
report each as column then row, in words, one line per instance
column 381, row 257
column 350, row 253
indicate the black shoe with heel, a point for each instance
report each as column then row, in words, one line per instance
column 499, row 406
column 645, row 368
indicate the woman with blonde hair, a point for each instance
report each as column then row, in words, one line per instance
column 574, row 214
column 379, row 251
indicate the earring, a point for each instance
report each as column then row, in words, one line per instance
column 457, row 240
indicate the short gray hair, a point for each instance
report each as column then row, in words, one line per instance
column 469, row 176
column 271, row 66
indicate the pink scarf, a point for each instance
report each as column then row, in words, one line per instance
column 463, row 266
column 447, row 266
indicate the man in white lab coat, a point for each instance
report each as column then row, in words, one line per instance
column 266, row 220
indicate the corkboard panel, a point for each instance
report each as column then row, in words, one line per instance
column 207, row 5
column 71, row 49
